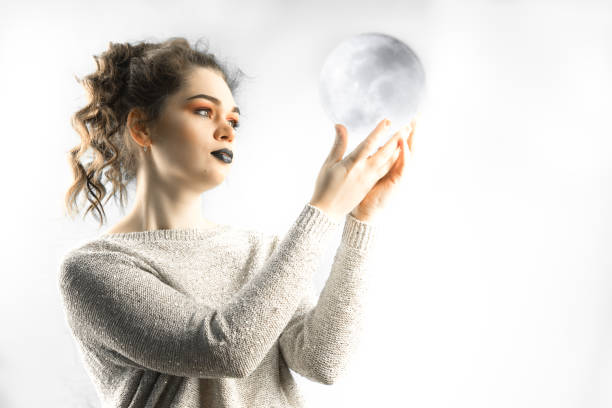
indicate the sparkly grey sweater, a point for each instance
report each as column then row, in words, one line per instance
column 215, row 317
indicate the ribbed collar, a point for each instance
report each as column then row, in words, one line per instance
column 179, row 234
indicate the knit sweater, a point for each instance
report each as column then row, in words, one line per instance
column 215, row 317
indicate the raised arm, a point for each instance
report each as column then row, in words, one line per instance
column 146, row 323
column 318, row 341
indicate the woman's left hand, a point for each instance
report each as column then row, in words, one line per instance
column 378, row 195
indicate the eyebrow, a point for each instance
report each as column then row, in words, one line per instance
column 213, row 99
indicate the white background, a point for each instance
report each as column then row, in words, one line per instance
column 492, row 285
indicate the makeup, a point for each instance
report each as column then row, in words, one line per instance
column 225, row 155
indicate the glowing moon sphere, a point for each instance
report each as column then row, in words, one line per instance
column 369, row 77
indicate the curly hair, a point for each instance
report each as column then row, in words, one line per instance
column 140, row 75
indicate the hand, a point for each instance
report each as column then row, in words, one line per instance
column 377, row 197
column 343, row 183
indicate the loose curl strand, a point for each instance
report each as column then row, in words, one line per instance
column 140, row 75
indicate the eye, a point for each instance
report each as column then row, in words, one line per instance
column 235, row 123
column 204, row 109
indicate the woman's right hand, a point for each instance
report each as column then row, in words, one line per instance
column 343, row 183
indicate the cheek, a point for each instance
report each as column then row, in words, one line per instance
column 194, row 144
column 185, row 132
column 188, row 142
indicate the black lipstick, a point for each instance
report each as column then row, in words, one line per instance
column 224, row 154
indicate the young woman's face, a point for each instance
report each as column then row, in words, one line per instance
column 200, row 118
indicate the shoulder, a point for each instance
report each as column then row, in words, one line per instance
column 93, row 257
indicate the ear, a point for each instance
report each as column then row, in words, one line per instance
column 137, row 127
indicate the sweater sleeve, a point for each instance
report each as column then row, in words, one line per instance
column 318, row 340
column 113, row 302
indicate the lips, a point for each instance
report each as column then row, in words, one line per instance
column 224, row 154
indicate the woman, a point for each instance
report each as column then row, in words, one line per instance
column 172, row 310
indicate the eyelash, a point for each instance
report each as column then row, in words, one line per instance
column 236, row 123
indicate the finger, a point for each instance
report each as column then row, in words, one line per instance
column 398, row 168
column 384, row 169
column 339, row 146
column 413, row 123
column 379, row 158
column 395, row 168
column 365, row 148
column 398, row 165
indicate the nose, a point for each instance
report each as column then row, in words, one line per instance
column 225, row 132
